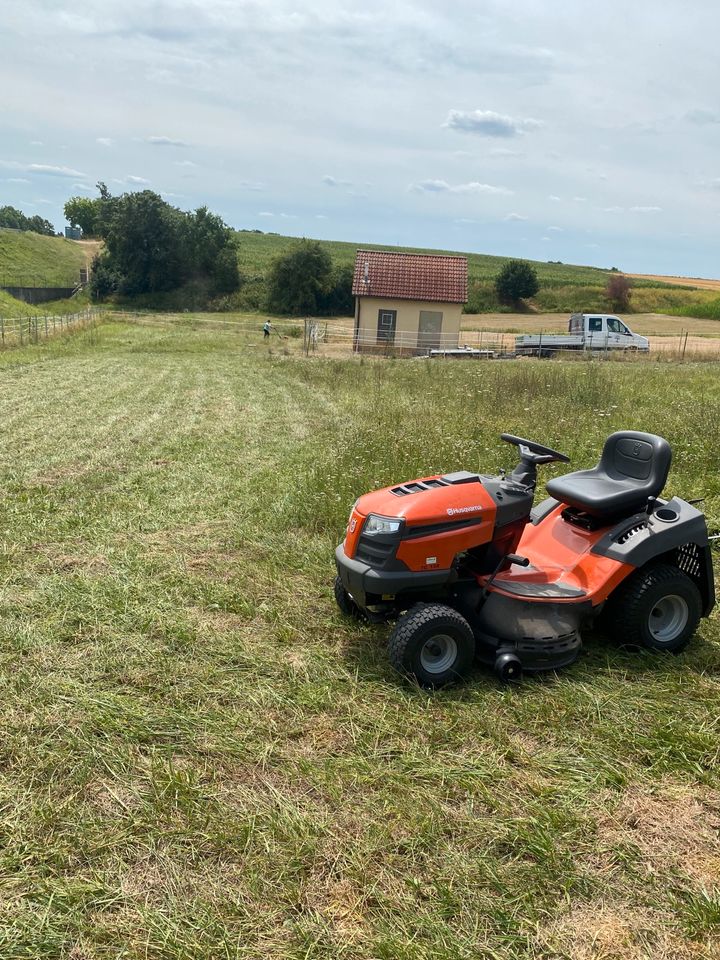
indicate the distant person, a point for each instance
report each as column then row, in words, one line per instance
column 266, row 330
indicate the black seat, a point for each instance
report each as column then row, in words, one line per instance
column 633, row 467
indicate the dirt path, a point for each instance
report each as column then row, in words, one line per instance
column 646, row 324
column 699, row 282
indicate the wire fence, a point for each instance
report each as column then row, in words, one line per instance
column 18, row 331
column 338, row 337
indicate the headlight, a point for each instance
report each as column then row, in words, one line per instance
column 375, row 524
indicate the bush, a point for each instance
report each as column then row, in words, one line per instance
column 300, row 281
column 618, row 291
column 516, row 281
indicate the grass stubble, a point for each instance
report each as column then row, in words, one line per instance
column 200, row 758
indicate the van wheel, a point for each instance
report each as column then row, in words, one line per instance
column 658, row 608
column 432, row 643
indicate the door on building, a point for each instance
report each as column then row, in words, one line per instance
column 430, row 330
column 386, row 326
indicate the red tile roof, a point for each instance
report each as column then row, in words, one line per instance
column 410, row 276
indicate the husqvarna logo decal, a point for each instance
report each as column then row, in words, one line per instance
column 352, row 525
column 451, row 511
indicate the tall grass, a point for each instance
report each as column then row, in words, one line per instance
column 202, row 759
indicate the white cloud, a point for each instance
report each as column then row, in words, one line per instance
column 320, row 216
column 184, row 163
column 506, row 154
column 104, row 141
column 442, row 186
column 83, row 187
column 554, row 198
column 645, row 209
column 36, row 143
column 487, row 123
column 580, row 199
column 334, row 182
column 140, row 181
column 266, row 213
column 43, row 169
column 166, row 142
column 555, row 229
column 16, row 180
column 514, row 216
column 613, row 210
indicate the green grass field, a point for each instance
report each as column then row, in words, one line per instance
column 202, row 759
column 563, row 287
column 29, row 259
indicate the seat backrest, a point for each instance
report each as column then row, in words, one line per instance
column 644, row 457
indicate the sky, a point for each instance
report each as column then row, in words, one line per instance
column 581, row 132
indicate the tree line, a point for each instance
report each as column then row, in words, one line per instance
column 16, row 220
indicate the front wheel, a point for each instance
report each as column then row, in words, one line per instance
column 345, row 601
column 658, row 608
column 432, row 643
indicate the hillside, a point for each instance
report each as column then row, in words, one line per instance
column 31, row 259
column 563, row 287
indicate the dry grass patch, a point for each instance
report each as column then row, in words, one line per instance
column 607, row 930
column 675, row 829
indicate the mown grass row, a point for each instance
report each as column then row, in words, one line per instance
column 201, row 758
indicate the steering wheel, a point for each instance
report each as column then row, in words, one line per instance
column 534, row 452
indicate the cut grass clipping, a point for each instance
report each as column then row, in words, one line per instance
column 201, row 758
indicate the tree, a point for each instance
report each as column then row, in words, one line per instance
column 619, row 291
column 16, row 220
column 299, row 280
column 145, row 243
column 104, row 280
column 339, row 300
column 82, row 212
column 516, row 281
column 152, row 247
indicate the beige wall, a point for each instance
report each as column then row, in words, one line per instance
column 408, row 318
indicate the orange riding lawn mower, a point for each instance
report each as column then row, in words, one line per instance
column 469, row 570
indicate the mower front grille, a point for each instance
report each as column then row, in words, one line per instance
column 374, row 552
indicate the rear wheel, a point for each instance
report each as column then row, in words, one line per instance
column 432, row 643
column 658, row 608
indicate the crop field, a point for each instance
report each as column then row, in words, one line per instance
column 202, row 759
column 563, row 287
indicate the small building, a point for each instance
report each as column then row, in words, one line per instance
column 73, row 233
column 408, row 302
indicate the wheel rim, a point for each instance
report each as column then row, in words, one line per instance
column 438, row 653
column 668, row 618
